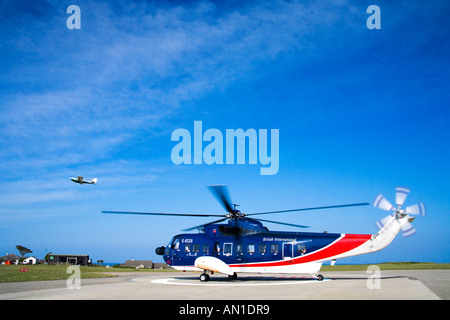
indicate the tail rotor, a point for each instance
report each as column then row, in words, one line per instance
column 401, row 194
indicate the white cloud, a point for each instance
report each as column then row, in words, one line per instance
column 128, row 69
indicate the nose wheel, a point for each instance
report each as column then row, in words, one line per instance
column 204, row 277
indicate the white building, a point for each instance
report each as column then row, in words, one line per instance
column 30, row 260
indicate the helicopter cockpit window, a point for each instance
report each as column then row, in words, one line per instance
column 175, row 244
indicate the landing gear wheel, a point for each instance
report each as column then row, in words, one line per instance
column 319, row 277
column 233, row 277
column 204, row 277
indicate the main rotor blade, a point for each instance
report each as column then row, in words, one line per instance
column 166, row 214
column 221, row 194
column 206, row 224
column 313, row 208
column 284, row 223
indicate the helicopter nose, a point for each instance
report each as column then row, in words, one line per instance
column 160, row 250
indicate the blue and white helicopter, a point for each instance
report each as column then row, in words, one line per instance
column 244, row 244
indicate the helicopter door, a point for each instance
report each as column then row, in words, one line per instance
column 288, row 251
column 216, row 249
column 175, row 246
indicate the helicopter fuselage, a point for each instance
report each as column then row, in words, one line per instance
column 245, row 245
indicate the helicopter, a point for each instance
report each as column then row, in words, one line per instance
column 244, row 244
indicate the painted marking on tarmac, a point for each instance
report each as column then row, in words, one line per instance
column 173, row 281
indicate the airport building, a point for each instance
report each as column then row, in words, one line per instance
column 68, row 259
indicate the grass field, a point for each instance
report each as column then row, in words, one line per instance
column 41, row 272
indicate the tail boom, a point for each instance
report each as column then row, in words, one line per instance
column 380, row 240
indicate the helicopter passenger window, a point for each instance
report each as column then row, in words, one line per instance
column 262, row 248
column 251, row 248
column 196, row 247
column 188, row 247
column 274, row 248
column 239, row 248
column 205, row 248
column 301, row 248
column 227, row 247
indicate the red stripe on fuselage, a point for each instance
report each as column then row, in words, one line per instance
column 346, row 243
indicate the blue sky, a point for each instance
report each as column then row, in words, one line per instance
column 359, row 112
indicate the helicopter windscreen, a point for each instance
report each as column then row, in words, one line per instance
column 175, row 243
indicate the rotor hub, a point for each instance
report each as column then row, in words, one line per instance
column 235, row 214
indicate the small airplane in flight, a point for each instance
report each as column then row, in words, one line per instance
column 80, row 180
